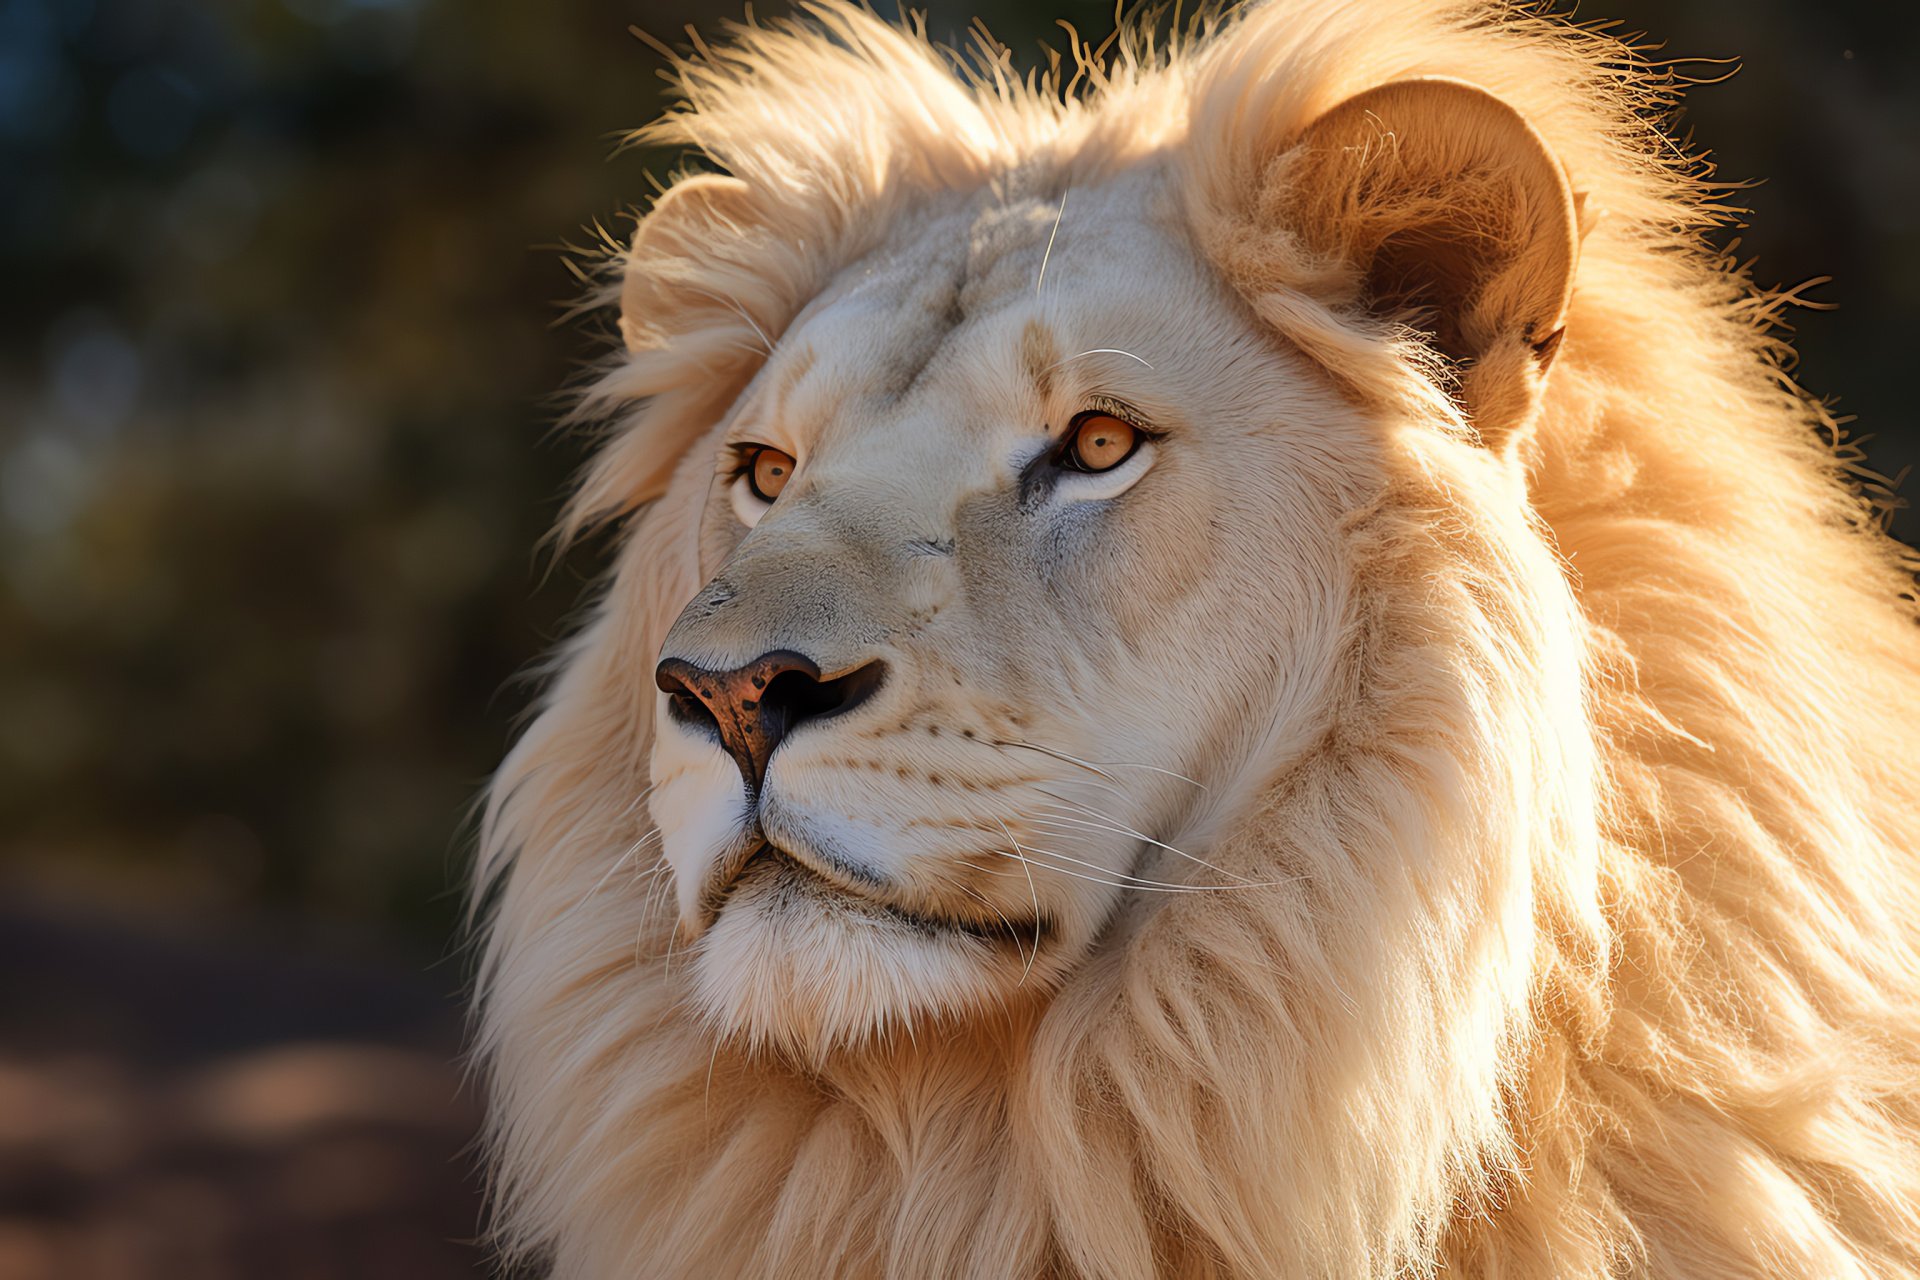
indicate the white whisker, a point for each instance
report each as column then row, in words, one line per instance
column 1097, row 351
column 635, row 802
column 1154, row 768
column 1003, row 920
column 1030, row 889
column 1160, row 885
column 1101, row 822
column 1060, row 755
column 1117, row 881
column 1135, row 881
column 632, row 849
column 1101, row 766
column 1048, row 255
column 1114, row 791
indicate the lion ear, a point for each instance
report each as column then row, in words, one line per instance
column 683, row 228
column 705, row 289
column 1457, row 217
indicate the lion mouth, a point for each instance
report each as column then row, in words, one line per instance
column 797, row 881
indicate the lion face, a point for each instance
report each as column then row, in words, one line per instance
column 956, row 694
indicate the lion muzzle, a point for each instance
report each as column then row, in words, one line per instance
column 753, row 707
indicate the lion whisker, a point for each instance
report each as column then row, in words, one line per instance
column 1028, row 868
column 1118, row 879
column 1060, row 755
column 1077, row 875
column 1143, row 882
column 1128, row 879
column 1093, row 765
column 1102, row 822
column 659, row 890
column 635, row 802
column 1113, row 791
column 632, row 849
column 1047, row 257
column 1154, row 768
column 1097, row 351
column 988, row 904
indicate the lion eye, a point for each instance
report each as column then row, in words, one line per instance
column 769, row 473
column 1099, row 442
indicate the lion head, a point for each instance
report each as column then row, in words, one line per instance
column 1202, row 680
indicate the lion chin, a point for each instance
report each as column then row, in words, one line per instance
column 1232, row 661
column 796, row 962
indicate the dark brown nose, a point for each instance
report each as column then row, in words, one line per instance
column 753, row 707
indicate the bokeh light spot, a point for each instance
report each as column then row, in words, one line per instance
column 96, row 376
column 43, row 483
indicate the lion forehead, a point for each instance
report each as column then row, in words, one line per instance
column 948, row 268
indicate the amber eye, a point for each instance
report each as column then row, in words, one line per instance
column 1099, row 442
column 769, row 473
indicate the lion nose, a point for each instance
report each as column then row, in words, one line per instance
column 753, row 708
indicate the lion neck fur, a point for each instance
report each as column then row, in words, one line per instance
column 1644, row 743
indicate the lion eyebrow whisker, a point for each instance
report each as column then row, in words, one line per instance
column 1097, row 351
column 1048, row 255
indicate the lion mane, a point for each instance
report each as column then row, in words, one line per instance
column 1673, row 679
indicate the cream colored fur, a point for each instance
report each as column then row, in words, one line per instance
column 1531, row 739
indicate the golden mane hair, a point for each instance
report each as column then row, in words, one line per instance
column 1712, row 1063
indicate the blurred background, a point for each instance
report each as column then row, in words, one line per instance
column 278, row 292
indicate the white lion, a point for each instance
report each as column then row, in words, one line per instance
column 1244, row 666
